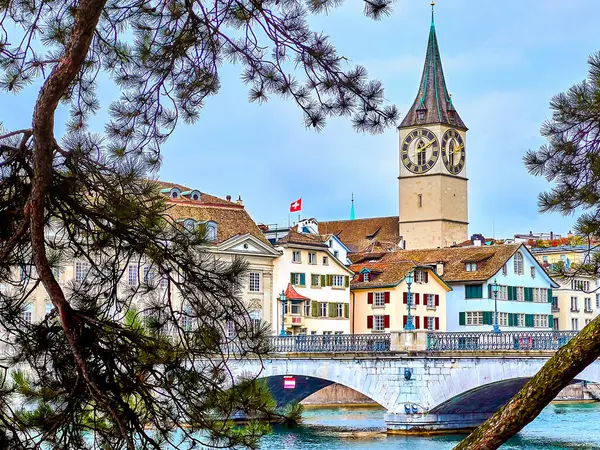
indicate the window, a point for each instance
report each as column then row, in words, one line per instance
column 24, row 273
column 421, row 115
column 588, row 304
column 186, row 321
column 296, row 308
column 211, row 231
column 164, row 281
column 503, row 319
column 312, row 258
column 545, row 259
column 365, row 277
column 474, row 318
column 337, row 280
column 555, row 304
column 518, row 262
column 315, row 280
column 540, row 295
column 325, row 260
column 189, row 224
column 340, row 310
column 307, row 309
column 474, row 291
column 323, row 309
column 532, row 269
column 378, row 323
column 81, row 271
column 230, row 329
column 28, row 312
column 419, row 200
column 430, row 300
column 502, row 293
column 504, row 270
column 575, row 324
column 56, row 273
column 49, row 308
column 254, row 282
column 471, row 267
column 286, row 308
column 338, row 333
column 297, row 279
column 420, row 276
column 379, row 299
column 255, row 319
column 520, row 319
column 540, row 321
column 132, row 275
column 149, row 275
column 520, row 294
column 430, row 323
column 296, row 256
column 574, row 304
column 555, row 324
column 597, row 301
column 336, row 254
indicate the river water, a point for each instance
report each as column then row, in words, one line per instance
column 560, row 426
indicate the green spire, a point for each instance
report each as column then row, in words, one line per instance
column 352, row 208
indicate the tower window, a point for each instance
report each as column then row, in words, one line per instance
column 421, row 115
column 420, row 200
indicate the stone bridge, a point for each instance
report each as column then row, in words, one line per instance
column 423, row 391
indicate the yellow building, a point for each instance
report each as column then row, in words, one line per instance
column 316, row 285
column 380, row 298
column 433, row 180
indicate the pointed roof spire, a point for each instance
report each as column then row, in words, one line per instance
column 352, row 209
column 433, row 103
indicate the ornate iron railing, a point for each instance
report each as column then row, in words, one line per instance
column 336, row 343
column 506, row 340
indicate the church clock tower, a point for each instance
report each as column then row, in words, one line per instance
column 433, row 180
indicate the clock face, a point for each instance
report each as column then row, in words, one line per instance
column 420, row 150
column 453, row 152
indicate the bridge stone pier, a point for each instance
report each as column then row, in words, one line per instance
column 423, row 391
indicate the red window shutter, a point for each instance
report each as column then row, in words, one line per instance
column 426, row 277
column 386, row 296
column 437, row 300
column 370, row 322
column 370, row 298
column 426, row 324
column 405, row 297
column 416, row 298
column 417, row 322
column 386, row 321
column 404, row 320
column 437, row 323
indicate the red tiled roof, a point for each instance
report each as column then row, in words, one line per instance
column 365, row 235
column 291, row 294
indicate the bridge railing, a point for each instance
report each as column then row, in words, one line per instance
column 505, row 340
column 337, row 343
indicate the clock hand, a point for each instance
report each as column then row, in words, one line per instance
column 426, row 146
column 459, row 148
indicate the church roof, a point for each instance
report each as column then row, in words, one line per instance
column 433, row 102
column 375, row 234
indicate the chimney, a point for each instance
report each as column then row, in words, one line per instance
column 239, row 200
column 439, row 268
column 228, row 198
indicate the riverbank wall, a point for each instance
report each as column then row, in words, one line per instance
column 337, row 395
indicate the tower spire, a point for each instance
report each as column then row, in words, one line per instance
column 352, row 208
column 433, row 103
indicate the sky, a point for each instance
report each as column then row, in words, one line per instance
column 503, row 61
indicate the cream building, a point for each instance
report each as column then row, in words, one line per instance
column 433, row 180
column 380, row 298
column 317, row 284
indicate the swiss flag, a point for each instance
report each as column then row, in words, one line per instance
column 296, row 206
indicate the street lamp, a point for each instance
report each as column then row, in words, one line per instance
column 282, row 299
column 495, row 289
column 409, row 322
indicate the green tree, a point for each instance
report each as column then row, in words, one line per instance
column 92, row 377
column 570, row 160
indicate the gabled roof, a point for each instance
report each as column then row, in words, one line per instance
column 291, row 294
column 365, row 235
column 387, row 274
column 433, row 99
column 294, row 237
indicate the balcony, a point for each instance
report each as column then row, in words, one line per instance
column 294, row 320
column 555, row 308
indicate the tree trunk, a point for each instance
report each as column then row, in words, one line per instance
column 525, row 406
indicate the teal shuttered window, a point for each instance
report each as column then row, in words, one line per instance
column 461, row 318
column 474, row 291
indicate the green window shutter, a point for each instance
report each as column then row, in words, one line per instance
column 323, row 281
column 511, row 320
column 469, row 292
column 488, row 318
column 292, row 277
column 551, row 321
column 347, row 310
column 490, row 293
column 314, row 309
column 462, row 318
column 329, row 280
column 528, row 320
column 302, row 279
column 550, row 296
column 347, row 281
column 528, row 294
column 332, row 309
column 479, row 290
column 511, row 295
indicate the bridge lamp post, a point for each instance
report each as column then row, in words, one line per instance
column 409, row 281
column 282, row 299
column 495, row 289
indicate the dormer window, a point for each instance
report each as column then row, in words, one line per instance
column 421, row 115
column 211, row 231
column 171, row 192
column 365, row 277
column 471, row 266
column 192, row 195
column 189, row 224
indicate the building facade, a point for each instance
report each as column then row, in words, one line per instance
column 315, row 287
column 433, row 208
column 380, row 298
